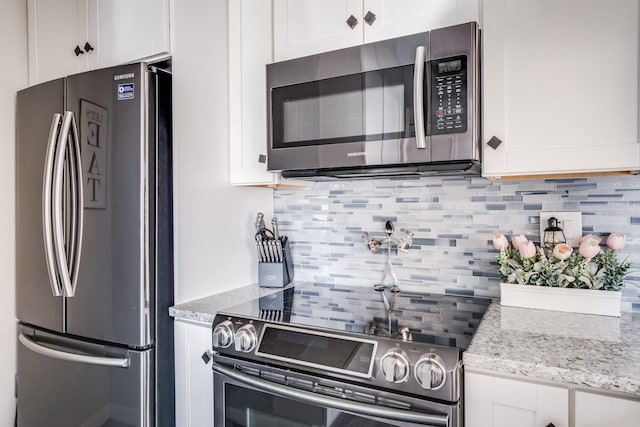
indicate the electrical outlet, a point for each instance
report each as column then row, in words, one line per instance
column 570, row 222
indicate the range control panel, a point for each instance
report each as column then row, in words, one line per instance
column 449, row 95
column 412, row 367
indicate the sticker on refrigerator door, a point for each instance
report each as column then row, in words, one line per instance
column 125, row 91
column 94, row 123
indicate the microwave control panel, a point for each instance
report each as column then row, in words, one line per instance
column 448, row 96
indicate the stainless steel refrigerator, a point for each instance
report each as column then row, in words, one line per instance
column 95, row 249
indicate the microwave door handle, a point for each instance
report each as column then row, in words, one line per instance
column 366, row 409
column 418, row 97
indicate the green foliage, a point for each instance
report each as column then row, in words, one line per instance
column 600, row 272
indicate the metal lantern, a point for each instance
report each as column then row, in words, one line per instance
column 553, row 234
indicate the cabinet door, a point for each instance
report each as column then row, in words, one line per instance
column 123, row 31
column 249, row 52
column 54, row 31
column 306, row 27
column 500, row 402
column 414, row 16
column 194, row 377
column 595, row 410
column 560, row 86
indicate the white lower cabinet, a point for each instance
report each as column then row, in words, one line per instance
column 194, row 377
column 597, row 410
column 492, row 401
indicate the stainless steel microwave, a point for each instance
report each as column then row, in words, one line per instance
column 404, row 106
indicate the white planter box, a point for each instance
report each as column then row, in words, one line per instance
column 588, row 301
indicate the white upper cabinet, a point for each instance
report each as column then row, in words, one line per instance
column 55, row 30
column 250, row 50
column 249, row 53
column 125, row 30
column 398, row 18
column 71, row 36
column 560, row 86
column 306, row 27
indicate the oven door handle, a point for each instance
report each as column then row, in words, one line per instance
column 332, row 402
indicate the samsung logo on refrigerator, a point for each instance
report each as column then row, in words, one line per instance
column 124, row 76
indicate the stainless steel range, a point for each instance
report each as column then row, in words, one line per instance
column 315, row 355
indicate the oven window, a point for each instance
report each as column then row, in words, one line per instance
column 374, row 105
column 245, row 407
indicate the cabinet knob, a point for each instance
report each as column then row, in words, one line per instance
column 352, row 22
column 78, row 51
column 206, row 357
column 87, row 47
column 494, row 143
column 370, row 17
column 550, row 425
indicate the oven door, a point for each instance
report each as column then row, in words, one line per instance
column 247, row 395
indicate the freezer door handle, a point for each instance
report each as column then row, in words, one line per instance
column 47, row 219
column 68, row 255
column 72, row 357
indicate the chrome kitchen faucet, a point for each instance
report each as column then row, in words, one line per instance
column 402, row 244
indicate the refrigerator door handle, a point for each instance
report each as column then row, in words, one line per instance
column 47, row 219
column 77, row 201
column 67, row 262
column 72, row 357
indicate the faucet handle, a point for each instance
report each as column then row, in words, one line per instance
column 405, row 241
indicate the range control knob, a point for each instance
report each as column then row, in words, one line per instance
column 223, row 334
column 430, row 372
column 246, row 338
column 395, row 366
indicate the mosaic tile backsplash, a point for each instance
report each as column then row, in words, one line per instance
column 453, row 220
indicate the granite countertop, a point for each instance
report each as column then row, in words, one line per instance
column 203, row 310
column 588, row 350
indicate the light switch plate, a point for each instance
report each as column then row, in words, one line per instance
column 570, row 222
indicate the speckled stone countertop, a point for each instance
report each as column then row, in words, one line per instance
column 203, row 310
column 596, row 351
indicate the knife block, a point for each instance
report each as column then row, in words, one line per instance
column 276, row 274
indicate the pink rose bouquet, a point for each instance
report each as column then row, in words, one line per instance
column 590, row 267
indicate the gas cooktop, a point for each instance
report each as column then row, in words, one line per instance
column 444, row 320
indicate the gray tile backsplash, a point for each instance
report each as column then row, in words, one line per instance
column 453, row 220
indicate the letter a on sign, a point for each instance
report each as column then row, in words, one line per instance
column 94, row 145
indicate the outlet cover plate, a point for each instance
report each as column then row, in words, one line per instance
column 570, row 222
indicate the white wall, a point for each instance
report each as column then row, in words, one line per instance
column 213, row 221
column 13, row 51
